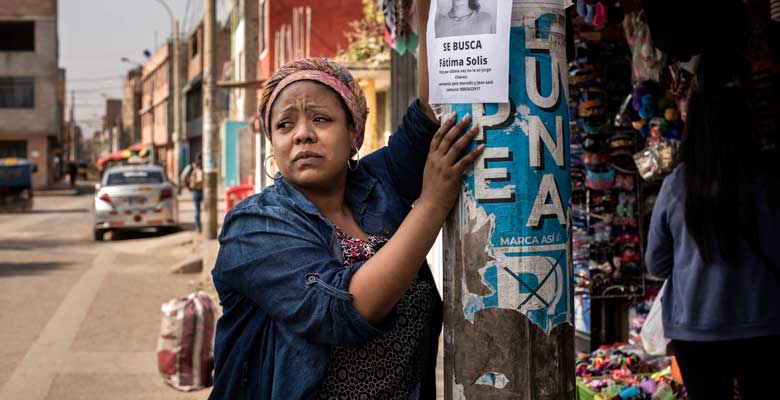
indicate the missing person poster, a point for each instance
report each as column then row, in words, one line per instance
column 468, row 51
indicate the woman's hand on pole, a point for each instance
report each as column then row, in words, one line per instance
column 377, row 286
column 446, row 163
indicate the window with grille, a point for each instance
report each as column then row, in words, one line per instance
column 17, row 36
column 13, row 148
column 17, row 92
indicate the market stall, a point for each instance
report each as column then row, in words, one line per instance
column 626, row 372
column 625, row 126
column 628, row 103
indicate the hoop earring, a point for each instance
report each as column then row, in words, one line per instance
column 357, row 162
column 265, row 168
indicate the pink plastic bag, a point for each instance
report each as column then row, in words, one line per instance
column 185, row 348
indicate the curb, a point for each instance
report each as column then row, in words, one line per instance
column 188, row 266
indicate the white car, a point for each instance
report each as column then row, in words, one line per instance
column 135, row 197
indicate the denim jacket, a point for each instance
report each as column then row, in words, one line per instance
column 281, row 280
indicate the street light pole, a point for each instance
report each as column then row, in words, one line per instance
column 177, row 112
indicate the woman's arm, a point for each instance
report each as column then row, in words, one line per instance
column 404, row 157
column 659, row 255
column 378, row 285
column 423, row 6
column 299, row 284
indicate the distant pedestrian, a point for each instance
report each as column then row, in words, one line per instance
column 192, row 177
column 72, row 173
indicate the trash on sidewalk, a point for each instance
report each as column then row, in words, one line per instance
column 185, row 348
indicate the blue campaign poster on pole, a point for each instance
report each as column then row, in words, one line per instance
column 516, row 198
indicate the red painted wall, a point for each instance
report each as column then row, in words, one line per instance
column 330, row 19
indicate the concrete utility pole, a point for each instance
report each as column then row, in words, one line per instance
column 210, row 132
column 507, row 284
column 71, row 156
column 178, row 148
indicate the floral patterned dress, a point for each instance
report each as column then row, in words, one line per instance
column 388, row 366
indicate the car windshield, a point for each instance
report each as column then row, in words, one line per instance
column 134, row 178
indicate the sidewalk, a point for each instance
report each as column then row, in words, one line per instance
column 202, row 247
column 62, row 188
column 86, row 317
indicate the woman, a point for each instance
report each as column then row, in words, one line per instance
column 322, row 276
column 464, row 18
column 714, row 236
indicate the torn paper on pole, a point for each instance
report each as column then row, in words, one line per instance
column 468, row 51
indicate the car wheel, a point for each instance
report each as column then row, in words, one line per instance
column 99, row 235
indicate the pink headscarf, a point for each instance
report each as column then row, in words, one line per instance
column 324, row 71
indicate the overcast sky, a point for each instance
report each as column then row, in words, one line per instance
column 95, row 34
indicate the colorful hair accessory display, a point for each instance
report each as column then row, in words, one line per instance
column 618, row 372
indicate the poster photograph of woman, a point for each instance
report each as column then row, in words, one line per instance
column 465, row 17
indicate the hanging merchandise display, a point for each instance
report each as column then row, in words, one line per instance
column 399, row 31
column 628, row 110
column 606, row 252
column 653, row 113
column 647, row 61
column 599, row 13
column 762, row 51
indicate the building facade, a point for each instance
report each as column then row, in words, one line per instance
column 291, row 29
column 112, row 126
column 131, row 108
column 193, row 87
column 156, row 111
column 30, row 118
column 239, row 142
column 108, row 140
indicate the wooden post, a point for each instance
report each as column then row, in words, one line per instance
column 507, row 283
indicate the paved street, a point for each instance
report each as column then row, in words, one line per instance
column 80, row 319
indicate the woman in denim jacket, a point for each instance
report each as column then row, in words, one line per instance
column 322, row 276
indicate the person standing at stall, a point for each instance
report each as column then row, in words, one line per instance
column 715, row 237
